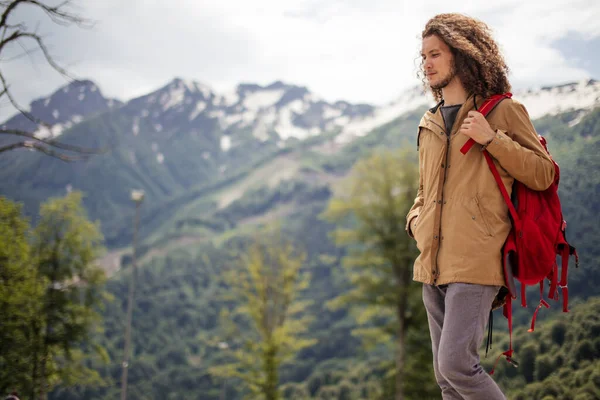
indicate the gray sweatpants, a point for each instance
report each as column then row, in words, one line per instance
column 458, row 314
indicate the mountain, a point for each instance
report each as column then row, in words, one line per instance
column 166, row 142
column 552, row 100
column 190, row 239
column 215, row 167
column 251, row 113
column 540, row 101
column 177, row 141
column 64, row 108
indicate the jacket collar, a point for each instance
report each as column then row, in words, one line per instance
column 434, row 114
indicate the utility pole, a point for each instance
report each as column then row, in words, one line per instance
column 137, row 196
column 223, row 346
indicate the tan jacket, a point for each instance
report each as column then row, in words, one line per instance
column 459, row 219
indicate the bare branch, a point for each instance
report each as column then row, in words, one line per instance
column 20, row 26
column 58, row 13
column 13, row 36
column 61, row 14
column 38, row 39
column 6, row 28
column 65, row 18
column 16, row 105
column 41, row 148
column 10, row 6
column 26, row 53
column 16, row 36
column 55, row 143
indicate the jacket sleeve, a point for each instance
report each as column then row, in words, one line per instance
column 415, row 210
column 519, row 151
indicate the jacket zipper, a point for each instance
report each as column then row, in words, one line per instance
column 437, row 253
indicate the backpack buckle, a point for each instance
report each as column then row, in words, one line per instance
column 512, row 362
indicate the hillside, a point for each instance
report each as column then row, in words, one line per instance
column 212, row 176
column 181, row 285
column 560, row 360
column 185, row 139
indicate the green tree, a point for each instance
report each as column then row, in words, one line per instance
column 559, row 331
column 527, row 356
column 267, row 321
column 19, row 299
column 544, row 366
column 65, row 247
column 370, row 212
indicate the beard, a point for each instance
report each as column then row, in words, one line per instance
column 446, row 81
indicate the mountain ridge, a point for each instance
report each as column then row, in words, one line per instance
column 184, row 136
column 279, row 110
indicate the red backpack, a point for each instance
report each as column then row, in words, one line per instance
column 536, row 238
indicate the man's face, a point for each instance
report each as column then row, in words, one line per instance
column 438, row 62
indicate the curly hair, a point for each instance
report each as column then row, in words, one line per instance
column 477, row 58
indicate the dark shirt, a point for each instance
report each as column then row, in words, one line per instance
column 449, row 115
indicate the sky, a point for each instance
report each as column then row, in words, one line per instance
column 362, row 51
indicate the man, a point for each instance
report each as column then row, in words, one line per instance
column 459, row 219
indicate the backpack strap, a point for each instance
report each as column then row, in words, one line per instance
column 503, row 190
column 507, row 312
column 537, row 309
column 563, row 279
column 486, row 108
column 552, row 293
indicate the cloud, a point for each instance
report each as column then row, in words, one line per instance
column 356, row 50
column 580, row 51
column 529, row 32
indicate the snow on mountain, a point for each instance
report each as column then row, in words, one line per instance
column 261, row 99
column 549, row 100
column 408, row 101
column 583, row 95
column 287, row 111
column 277, row 111
column 64, row 108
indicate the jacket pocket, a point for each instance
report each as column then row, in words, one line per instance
column 481, row 212
column 422, row 225
column 413, row 228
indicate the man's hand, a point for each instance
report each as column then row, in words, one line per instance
column 477, row 128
